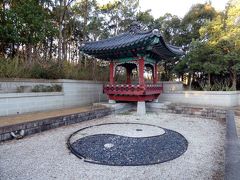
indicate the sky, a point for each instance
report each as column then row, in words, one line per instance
column 175, row 7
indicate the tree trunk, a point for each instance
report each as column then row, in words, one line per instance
column 64, row 50
column 209, row 79
column 51, row 48
column 85, row 19
column 60, row 28
column 60, row 42
column 234, row 80
column 69, row 52
column 80, row 59
column 29, row 53
column 189, row 79
column 13, row 50
column 35, row 54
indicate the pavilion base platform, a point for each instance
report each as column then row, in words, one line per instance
column 141, row 108
column 111, row 101
column 157, row 105
column 117, row 107
column 138, row 94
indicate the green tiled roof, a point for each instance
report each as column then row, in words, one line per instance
column 131, row 44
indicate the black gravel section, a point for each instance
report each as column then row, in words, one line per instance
column 130, row 151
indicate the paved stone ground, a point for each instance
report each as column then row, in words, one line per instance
column 45, row 155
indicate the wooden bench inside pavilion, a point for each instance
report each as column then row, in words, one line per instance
column 135, row 49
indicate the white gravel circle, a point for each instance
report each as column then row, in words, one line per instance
column 45, row 156
column 128, row 130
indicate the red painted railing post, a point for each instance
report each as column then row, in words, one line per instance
column 155, row 75
column 141, row 71
column 111, row 70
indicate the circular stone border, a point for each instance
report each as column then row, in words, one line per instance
column 81, row 156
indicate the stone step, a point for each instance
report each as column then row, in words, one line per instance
column 116, row 107
column 237, row 112
column 156, row 105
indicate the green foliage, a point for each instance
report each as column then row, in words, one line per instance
column 223, row 85
column 200, row 58
column 170, row 27
column 25, row 22
column 146, row 18
column 51, row 70
column 45, row 88
column 39, row 39
column 13, row 68
column 198, row 15
column 118, row 15
column 223, row 34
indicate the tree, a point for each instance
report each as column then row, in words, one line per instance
column 145, row 18
column 223, row 34
column 170, row 27
column 201, row 59
column 25, row 23
column 118, row 15
column 196, row 17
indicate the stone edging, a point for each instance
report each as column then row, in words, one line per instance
column 232, row 149
column 197, row 111
column 204, row 92
column 29, row 94
column 50, row 123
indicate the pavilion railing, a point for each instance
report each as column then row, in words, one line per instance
column 130, row 89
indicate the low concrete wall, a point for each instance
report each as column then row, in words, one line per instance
column 74, row 93
column 209, row 98
column 12, row 85
column 171, row 86
column 18, row 103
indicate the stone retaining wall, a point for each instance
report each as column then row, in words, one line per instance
column 50, row 123
column 205, row 98
column 74, row 93
column 198, row 111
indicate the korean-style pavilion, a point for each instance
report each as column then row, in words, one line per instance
column 135, row 49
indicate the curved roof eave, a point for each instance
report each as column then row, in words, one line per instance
column 133, row 40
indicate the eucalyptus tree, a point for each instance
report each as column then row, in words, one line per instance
column 61, row 7
column 118, row 15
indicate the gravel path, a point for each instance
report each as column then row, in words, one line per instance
column 45, row 156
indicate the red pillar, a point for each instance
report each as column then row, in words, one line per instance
column 141, row 71
column 155, row 75
column 128, row 70
column 111, row 70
